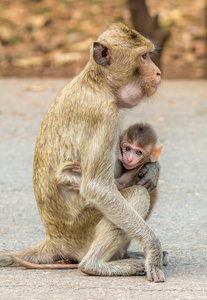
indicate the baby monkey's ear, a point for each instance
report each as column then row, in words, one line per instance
column 156, row 153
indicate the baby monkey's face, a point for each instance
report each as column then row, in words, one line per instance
column 133, row 155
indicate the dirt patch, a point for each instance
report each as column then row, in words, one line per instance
column 51, row 38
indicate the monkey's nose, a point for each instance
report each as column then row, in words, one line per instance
column 158, row 72
column 129, row 160
column 158, row 76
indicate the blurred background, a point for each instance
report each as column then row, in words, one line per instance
column 51, row 38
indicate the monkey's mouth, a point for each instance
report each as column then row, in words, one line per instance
column 150, row 89
column 128, row 166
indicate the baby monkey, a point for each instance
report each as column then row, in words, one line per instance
column 137, row 146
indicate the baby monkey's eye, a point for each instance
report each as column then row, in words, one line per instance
column 139, row 153
column 127, row 148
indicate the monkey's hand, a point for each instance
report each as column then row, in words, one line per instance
column 149, row 175
column 154, row 262
column 77, row 168
column 76, row 187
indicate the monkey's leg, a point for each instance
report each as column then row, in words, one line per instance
column 43, row 253
column 107, row 243
column 109, row 240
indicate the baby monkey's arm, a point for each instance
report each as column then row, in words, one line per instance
column 127, row 179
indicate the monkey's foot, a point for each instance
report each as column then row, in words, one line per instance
column 154, row 273
column 165, row 258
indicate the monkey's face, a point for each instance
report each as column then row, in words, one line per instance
column 144, row 82
column 124, row 57
column 150, row 73
column 133, row 155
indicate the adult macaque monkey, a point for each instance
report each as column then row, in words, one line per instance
column 93, row 227
column 137, row 146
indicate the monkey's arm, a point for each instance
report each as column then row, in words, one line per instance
column 149, row 175
column 126, row 180
column 119, row 183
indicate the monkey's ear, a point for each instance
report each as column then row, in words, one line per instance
column 156, row 153
column 101, row 53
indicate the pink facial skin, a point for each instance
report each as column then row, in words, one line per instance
column 130, row 157
column 131, row 94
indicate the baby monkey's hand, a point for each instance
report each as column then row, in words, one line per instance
column 77, row 168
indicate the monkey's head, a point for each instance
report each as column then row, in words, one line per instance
column 122, row 55
column 138, row 145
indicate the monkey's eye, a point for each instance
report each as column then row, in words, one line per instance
column 127, row 148
column 139, row 153
column 144, row 56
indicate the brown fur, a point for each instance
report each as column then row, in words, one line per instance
column 83, row 125
column 141, row 134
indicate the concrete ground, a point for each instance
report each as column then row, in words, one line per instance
column 179, row 115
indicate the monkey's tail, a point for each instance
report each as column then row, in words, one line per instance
column 43, row 253
column 29, row 265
